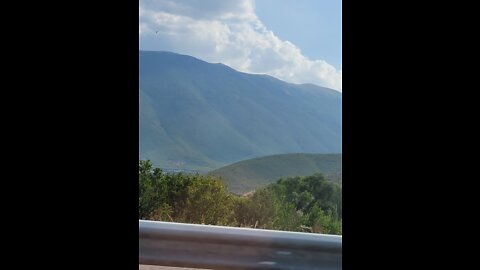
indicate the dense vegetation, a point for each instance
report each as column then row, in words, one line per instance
column 310, row 204
column 201, row 116
column 247, row 175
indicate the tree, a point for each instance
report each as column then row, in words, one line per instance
column 207, row 202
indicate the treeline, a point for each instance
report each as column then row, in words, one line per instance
column 309, row 204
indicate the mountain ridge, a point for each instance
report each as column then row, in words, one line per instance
column 199, row 115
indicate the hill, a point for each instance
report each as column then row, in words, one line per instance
column 201, row 116
column 244, row 176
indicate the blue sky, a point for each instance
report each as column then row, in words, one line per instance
column 315, row 26
column 296, row 41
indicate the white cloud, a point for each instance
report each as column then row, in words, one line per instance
column 228, row 31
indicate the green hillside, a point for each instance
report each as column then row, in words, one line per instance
column 202, row 116
column 247, row 175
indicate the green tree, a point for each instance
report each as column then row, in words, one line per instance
column 207, row 202
column 150, row 181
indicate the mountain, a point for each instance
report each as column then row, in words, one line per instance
column 246, row 175
column 201, row 116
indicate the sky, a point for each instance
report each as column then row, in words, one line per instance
column 296, row 41
column 319, row 21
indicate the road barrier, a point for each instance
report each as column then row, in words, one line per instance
column 218, row 247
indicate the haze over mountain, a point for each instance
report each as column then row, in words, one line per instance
column 202, row 116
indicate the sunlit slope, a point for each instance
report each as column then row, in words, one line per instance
column 247, row 175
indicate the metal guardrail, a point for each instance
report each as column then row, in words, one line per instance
column 217, row 247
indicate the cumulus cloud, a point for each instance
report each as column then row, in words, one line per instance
column 228, row 31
